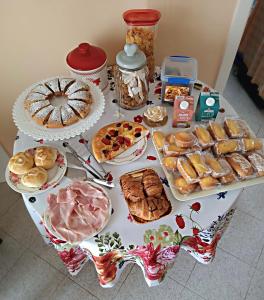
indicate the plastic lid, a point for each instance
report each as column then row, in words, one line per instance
column 179, row 69
column 131, row 58
column 141, row 17
column 86, row 57
column 210, row 101
column 184, row 104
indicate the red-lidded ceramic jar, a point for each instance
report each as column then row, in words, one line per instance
column 88, row 63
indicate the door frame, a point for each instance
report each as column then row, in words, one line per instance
column 238, row 24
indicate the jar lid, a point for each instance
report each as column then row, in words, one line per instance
column 141, row 17
column 86, row 57
column 131, row 57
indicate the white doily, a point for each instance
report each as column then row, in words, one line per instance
column 28, row 126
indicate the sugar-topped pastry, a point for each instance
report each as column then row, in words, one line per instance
column 42, row 116
column 59, row 102
column 81, row 95
column 80, row 107
column 54, row 120
column 240, row 164
column 77, row 86
column 159, row 139
column 41, row 89
column 257, row 161
column 68, row 116
column 199, row 164
column 53, row 85
column 65, row 83
column 34, row 107
column 186, row 170
column 184, row 139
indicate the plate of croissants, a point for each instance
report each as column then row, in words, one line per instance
column 36, row 170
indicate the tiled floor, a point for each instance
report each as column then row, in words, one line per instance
column 31, row 270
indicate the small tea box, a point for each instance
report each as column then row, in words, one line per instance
column 207, row 106
column 183, row 111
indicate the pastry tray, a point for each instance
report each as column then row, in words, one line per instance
column 135, row 218
column 198, row 194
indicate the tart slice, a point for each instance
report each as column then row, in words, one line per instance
column 115, row 138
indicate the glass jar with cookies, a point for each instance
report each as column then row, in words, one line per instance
column 142, row 24
column 131, row 77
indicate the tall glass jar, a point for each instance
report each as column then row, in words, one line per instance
column 131, row 75
column 141, row 30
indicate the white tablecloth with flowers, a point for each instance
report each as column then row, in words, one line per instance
column 195, row 226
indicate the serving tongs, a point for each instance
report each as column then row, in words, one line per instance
column 98, row 178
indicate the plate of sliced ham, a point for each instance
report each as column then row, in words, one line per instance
column 77, row 212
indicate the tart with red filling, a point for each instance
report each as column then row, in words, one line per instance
column 115, row 138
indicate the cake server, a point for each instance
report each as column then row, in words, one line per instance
column 79, row 174
column 94, row 173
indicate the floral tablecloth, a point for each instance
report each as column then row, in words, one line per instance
column 195, row 226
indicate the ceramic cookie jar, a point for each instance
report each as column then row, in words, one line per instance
column 88, row 63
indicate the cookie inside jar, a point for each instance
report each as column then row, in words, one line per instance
column 131, row 77
column 145, row 195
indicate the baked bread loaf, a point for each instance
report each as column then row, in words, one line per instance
column 227, row 146
column 45, row 157
column 21, row 163
column 251, row 144
column 257, row 161
column 217, row 131
column 35, row 177
column 170, row 163
column 186, row 170
column 183, row 186
column 207, row 183
column 240, row 164
column 204, row 137
column 199, row 164
column 42, row 108
column 159, row 139
column 236, row 128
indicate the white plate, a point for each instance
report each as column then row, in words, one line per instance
column 28, row 126
column 54, row 176
column 46, row 219
column 131, row 154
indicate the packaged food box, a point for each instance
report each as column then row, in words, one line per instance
column 183, row 111
column 178, row 75
column 207, row 106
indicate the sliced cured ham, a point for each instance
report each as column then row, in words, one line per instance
column 78, row 211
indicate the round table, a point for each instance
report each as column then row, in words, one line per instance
column 195, row 226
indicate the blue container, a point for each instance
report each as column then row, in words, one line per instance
column 178, row 75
